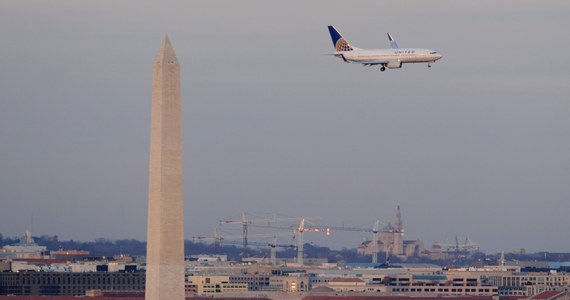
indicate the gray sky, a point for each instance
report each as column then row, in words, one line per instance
column 478, row 145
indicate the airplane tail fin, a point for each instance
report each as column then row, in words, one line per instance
column 339, row 43
column 393, row 43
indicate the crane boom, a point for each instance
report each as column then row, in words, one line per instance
column 264, row 223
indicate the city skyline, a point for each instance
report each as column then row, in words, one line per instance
column 477, row 145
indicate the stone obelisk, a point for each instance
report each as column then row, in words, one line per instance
column 165, row 232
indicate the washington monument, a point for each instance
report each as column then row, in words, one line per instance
column 165, row 232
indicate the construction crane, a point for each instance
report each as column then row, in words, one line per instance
column 216, row 238
column 375, row 241
column 461, row 251
column 244, row 223
column 264, row 223
column 231, row 238
column 467, row 246
column 273, row 250
column 300, row 232
column 273, row 246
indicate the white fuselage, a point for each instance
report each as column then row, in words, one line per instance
column 386, row 56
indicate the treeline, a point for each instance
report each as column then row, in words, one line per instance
column 131, row 247
column 99, row 247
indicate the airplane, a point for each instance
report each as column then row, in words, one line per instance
column 392, row 58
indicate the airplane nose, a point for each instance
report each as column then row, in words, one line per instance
column 438, row 56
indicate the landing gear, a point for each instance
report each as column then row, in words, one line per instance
column 429, row 65
column 383, row 69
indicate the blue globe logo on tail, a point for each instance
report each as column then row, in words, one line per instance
column 340, row 44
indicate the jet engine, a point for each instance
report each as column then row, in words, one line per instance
column 394, row 65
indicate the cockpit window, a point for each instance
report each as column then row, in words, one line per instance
column 433, row 52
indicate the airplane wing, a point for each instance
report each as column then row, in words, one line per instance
column 374, row 62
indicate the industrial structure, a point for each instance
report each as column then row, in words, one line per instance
column 299, row 230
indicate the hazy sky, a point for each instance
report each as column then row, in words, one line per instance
column 478, row 145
